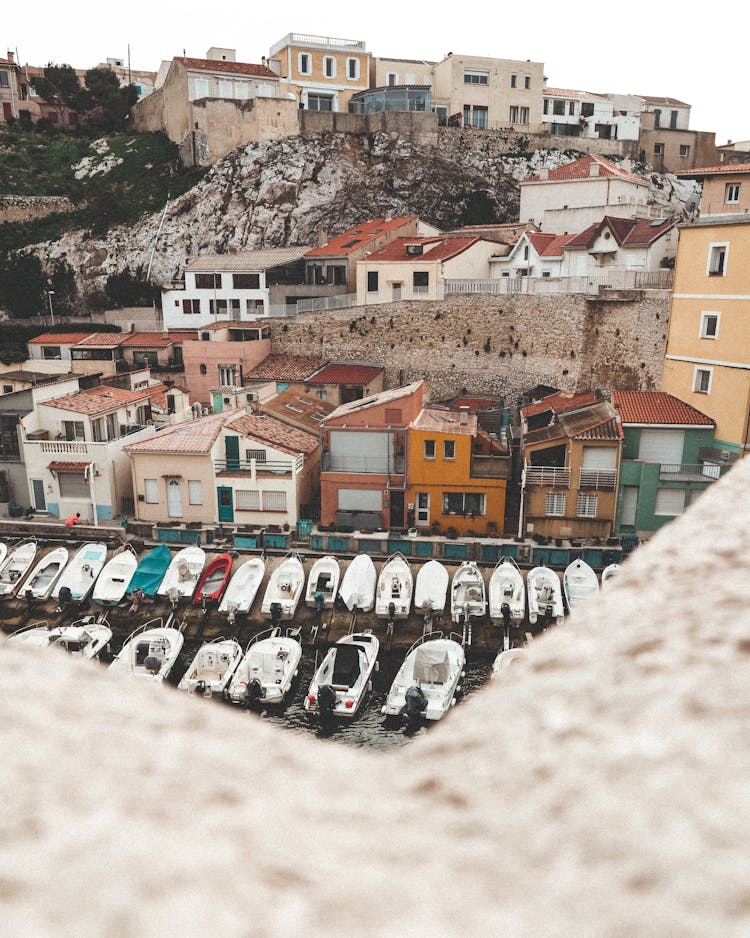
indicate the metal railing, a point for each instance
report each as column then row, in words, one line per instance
column 548, row 475
column 686, row 472
column 258, row 467
column 604, row 479
column 590, row 283
column 313, row 305
column 322, row 42
column 96, row 449
column 420, row 289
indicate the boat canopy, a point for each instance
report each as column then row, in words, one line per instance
column 431, row 665
column 346, row 667
column 150, row 571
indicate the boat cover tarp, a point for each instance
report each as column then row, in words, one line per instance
column 431, row 665
column 150, row 571
column 346, row 665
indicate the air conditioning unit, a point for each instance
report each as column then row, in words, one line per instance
column 414, row 249
column 252, row 396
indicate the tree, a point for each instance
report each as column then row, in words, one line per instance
column 23, row 285
column 106, row 98
column 64, row 286
column 128, row 289
column 61, row 88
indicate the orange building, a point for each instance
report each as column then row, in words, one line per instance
column 456, row 472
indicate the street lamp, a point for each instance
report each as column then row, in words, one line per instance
column 50, row 294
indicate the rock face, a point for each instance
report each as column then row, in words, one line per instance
column 278, row 193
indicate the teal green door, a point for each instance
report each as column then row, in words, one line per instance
column 218, row 402
column 232, row 451
column 226, row 506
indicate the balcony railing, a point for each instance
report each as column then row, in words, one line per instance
column 319, row 42
column 362, row 463
column 95, row 449
column 589, row 283
column 271, row 467
column 683, row 472
column 603, row 479
column 420, row 289
column 553, row 476
column 490, row 467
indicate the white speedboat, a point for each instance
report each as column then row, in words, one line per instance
column 507, row 593
column 15, row 567
column 45, row 574
column 506, row 659
column 284, row 591
column 610, row 573
column 114, row 580
column 357, row 590
column 431, row 587
column 344, row 677
column 467, row 593
column 212, row 668
column 183, row 574
column 78, row 578
column 243, row 587
column 151, row 651
column 395, row 585
column 85, row 638
column 3, row 552
column 544, row 596
column 426, row 684
column 265, row 674
column 579, row 584
column 323, row 583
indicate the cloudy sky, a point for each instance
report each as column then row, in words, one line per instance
column 640, row 48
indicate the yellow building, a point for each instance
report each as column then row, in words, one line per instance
column 322, row 72
column 708, row 349
column 456, row 474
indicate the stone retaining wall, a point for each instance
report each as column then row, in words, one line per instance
column 28, row 207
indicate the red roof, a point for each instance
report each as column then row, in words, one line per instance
column 581, row 169
column 60, row 466
column 157, row 339
column 275, row 433
column 99, row 400
column 435, row 249
column 345, row 373
column 549, row 245
column 559, row 402
column 228, row 68
column 103, row 340
column 657, row 407
column 628, row 232
column 723, row 170
column 59, row 338
column 359, row 236
column 276, row 367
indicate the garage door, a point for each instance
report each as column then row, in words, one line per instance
column 663, row 446
column 360, row 500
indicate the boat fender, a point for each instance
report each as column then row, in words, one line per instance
column 326, row 699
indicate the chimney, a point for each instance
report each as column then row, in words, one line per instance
column 388, row 216
column 10, row 56
column 463, row 415
column 322, row 238
column 544, row 173
column 594, row 169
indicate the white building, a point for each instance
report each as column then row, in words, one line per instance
column 570, row 113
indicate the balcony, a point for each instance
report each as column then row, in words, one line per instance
column 94, row 450
column 256, row 468
column 551, row 476
column 683, row 472
column 362, row 463
column 306, row 40
column 420, row 289
column 602, row 479
column 490, row 467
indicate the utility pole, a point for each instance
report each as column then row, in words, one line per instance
column 50, row 294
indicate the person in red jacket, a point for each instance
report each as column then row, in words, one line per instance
column 73, row 520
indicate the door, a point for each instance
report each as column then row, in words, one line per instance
column 232, row 451
column 40, row 502
column 397, row 291
column 423, row 509
column 226, row 505
column 397, row 509
column 217, row 401
column 174, row 498
column 629, row 505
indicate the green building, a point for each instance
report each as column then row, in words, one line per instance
column 669, row 457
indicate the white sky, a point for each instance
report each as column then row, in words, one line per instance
column 656, row 48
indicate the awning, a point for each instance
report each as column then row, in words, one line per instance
column 60, row 466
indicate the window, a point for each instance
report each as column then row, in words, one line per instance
column 337, row 275
column 463, row 503
column 259, row 455
column 476, row 76
column 717, row 260
column 420, row 281
column 4, row 82
column 523, row 115
column 99, row 430
column 246, row 281
column 588, row 506
column 227, row 375
column 190, row 307
column 393, row 416
column 304, row 63
column 329, row 66
column 201, row 88
column 558, row 107
column 226, row 89
column 657, row 117
column 73, row 485
column 320, row 102
column 247, row 500
column 545, row 106
column 352, row 69
column 673, row 120
column 73, row 430
column 571, row 108
column 51, row 352
column 527, row 81
column 208, row 281
column 203, row 369
column 479, row 117
column 391, row 79
column 702, row 380
column 513, row 81
column 195, row 496
column 658, row 149
column 7, row 388
column 587, row 109
column 732, row 192
column 372, row 281
column 429, row 449
column 274, row 501
column 218, row 307
column 684, row 150
column 709, row 325
column 449, row 449
column 670, row 502
column 554, row 504
column 513, row 114
column 151, row 488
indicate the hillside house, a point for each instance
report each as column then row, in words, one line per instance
column 219, row 361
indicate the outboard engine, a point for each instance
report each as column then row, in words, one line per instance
column 415, row 705
column 326, row 700
column 276, row 612
column 152, row 664
column 203, row 689
column 253, row 691
column 391, row 611
column 64, row 596
column 505, row 613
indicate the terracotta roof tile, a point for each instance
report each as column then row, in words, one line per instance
column 581, row 169
column 247, row 260
column 628, row 232
column 345, row 373
column 571, row 93
column 59, row 465
column 360, row 235
column 103, row 340
column 297, row 407
column 192, row 436
column 275, row 433
column 549, row 245
column 59, row 338
column 227, row 68
column 436, row 248
column 155, row 339
column 657, row 407
column 507, row 233
column 724, row 170
column 438, row 420
column 277, row 367
column 375, row 400
column 559, row 402
column 96, row 401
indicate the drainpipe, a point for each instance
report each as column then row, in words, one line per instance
column 520, row 507
column 89, row 474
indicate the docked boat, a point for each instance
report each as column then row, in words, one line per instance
column 213, row 581
column 85, row 638
column 579, row 584
column 343, row 679
column 15, row 567
column 357, row 590
column 610, row 573
column 212, row 668
column 426, row 684
column 266, row 672
column 284, row 591
column 150, row 571
column 505, row 660
column 431, row 587
column 3, row 552
column 182, row 574
column 467, row 593
column 78, row 578
column 45, row 574
column 151, row 651
column 323, row 583
column 243, row 587
column 544, row 596
column 507, row 593
column 114, row 580
column 395, row 585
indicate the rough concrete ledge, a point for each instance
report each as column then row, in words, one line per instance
column 601, row 789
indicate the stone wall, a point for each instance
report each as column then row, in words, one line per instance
column 421, row 128
column 28, row 207
column 496, row 143
column 502, row 345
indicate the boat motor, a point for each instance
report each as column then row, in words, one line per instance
column 391, row 611
column 64, row 597
column 505, row 613
column 326, row 700
column 415, row 703
column 276, row 612
column 203, row 689
column 253, row 691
